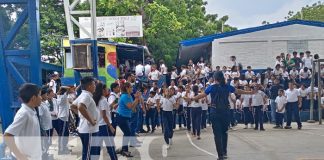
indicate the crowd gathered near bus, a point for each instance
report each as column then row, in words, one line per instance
column 150, row 98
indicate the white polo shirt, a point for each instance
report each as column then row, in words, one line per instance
column 112, row 98
column 155, row 75
column 164, row 69
column 281, row 101
column 152, row 101
column 147, row 69
column 26, row 131
column 63, row 106
column 86, row 99
column 104, row 106
column 246, row 100
column 167, row 103
column 53, row 85
column 139, row 70
column 292, row 95
column 45, row 116
column 257, row 98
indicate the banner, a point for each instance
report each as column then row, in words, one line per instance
column 114, row 26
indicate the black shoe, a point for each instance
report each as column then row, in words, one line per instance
column 262, row 129
column 287, row 127
column 256, row 128
column 153, row 131
column 299, row 127
column 276, row 127
column 126, row 154
column 225, row 156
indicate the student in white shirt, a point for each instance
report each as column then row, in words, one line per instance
column 139, row 69
column 147, row 69
column 305, row 75
column 45, row 120
column 183, row 75
column 257, row 102
column 232, row 101
column 174, row 75
column 281, row 102
column 246, row 107
column 89, row 116
column 294, row 74
column 304, row 94
column 113, row 103
column 168, row 103
column 154, row 75
column 151, row 112
column 173, row 93
column 53, row 108
column 196, row 111
column 293, row 105
column 204, row 107
column 249, row 73
column 106, row 130
column 52, row 84
column 308, row 60
column 63, row 119
column 23, row 136
column 173, row 85
column 187, row 106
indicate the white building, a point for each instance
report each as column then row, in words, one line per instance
column 256, row 46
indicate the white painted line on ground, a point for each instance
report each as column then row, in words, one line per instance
column 200, row 149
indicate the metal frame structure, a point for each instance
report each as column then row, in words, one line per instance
column 9, row 58
column 316, row 67
column 70, row 21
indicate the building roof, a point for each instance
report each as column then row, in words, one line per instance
column 210, row 38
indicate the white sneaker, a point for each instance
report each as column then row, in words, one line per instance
column 170, row 141
column 246, row 127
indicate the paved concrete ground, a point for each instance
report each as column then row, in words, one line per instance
column 244, row 144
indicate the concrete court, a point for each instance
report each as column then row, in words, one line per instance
column 244, row 144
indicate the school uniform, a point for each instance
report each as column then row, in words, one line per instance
column 151, row 114
column 63, row 119
column 105, row 134
column 196, row 111
column 232, row 98
column 181, row 116
column 248, row 116
column 305, row 99
column 167, row 108
column 204, row 107
column 187, row 108
column 158, row 115
column 280, row 110
column 27, row 132
column 292, row 106
column 53, row 108
column 257, row 104
column 87, row 132
column 315, row 102
column 114, row 97
column 175, row 111
column 46, row 124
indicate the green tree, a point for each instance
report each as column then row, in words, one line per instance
column 53, row 27
column 314, row 12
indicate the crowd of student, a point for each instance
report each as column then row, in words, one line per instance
column 154, row 96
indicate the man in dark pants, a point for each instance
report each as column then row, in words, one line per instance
column 293, row 105
column 219, row 111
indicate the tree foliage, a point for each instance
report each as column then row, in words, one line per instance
column 314, row 12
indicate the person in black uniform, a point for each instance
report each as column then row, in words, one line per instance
column 219, row 111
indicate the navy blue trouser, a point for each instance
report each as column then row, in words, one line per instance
column 150, row 116
column 105, row 135
column 232, row 117
column 292, row 108
column 181, row 117
column 188, row 117
column 219, row 118
column 56, row 126
column 174, row 114
column 123, row 123
column 279, row 119
column 204, row 119
column 140, row 121
column 258, row 117
column 167, row 125
column 196, row 120
column 90, row 150
column 63, row 135
column 248, row 116
column 114, row 120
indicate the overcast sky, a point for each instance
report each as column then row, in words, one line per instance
column 251, row 13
